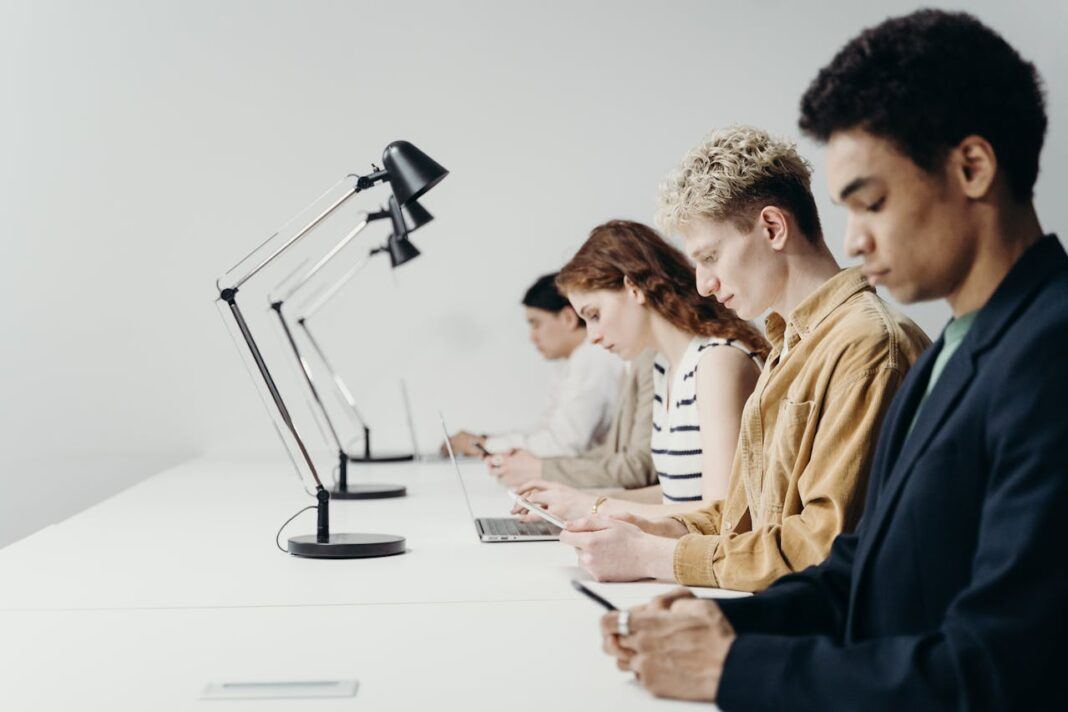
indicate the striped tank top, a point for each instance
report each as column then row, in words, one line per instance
column 676, row 441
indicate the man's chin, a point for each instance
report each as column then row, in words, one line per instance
column 910, row 293
column 743, row 313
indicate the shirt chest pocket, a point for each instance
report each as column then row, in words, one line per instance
column 781, row 453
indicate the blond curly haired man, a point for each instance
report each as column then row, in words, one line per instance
column 741, row 199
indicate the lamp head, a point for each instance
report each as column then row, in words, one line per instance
column 397, row 218
column 411, row 172
column 415, row 215
column 400, row 251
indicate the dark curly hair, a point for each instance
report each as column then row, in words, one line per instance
column 927, row 80
column 621, row 248
column 544, row 295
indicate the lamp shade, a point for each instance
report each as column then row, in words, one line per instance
column 404, row 220
column 415, row 215
column 398, row 218
column 411, row 172
column 401, row 250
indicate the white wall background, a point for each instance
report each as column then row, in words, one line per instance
column 144, row 147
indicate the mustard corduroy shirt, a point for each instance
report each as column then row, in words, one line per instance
column 807, row 438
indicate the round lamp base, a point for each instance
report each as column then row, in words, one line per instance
column 346, row 546
column 369, row 491
column 387, row 457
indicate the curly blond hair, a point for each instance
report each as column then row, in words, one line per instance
column 731, row 175
column 622, row 249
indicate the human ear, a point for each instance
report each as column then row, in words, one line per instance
column 632, row 291
column 773, row 227
column 975, row 165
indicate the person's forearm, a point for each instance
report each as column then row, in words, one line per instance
column 812, row 602
column 503, row 442
column 569, row 427
column 541, row 443
column 613, row 470
column 643, row 495
column 656, row 557
column 649, row 510
column 934, row 669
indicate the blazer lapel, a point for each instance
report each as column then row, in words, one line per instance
column 1024, row 280
column 954, row 381
column 951, row 385
column 912, row 393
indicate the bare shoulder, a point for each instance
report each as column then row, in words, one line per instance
column 721, row 365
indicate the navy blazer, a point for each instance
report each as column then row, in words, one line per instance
column 952, row 594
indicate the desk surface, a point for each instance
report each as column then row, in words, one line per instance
column 406, row 657
column 140, row 601
column 201, row 535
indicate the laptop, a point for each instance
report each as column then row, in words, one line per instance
column 408, row 415
column 494, row 529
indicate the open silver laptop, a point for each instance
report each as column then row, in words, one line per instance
column 495, row 529
column 408, row 416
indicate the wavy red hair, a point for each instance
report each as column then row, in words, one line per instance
column 624, row 249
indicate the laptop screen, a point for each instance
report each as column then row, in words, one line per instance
column 456, row 466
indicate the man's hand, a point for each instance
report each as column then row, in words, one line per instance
column 661, row 603
column 612, row 550
column 677, row 646
column 663, row 526
column 463, row 443
column 558, row 499
column 515, row 468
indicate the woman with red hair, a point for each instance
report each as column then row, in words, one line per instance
column 636, row 292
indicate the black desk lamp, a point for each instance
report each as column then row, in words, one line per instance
column 411, row 217
column 410, row 173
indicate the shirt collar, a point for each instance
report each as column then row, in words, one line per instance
column 958, row 328
column 816, row 307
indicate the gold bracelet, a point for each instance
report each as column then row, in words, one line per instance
column 597, row 505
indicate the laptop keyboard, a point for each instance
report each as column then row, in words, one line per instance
column 514, row 527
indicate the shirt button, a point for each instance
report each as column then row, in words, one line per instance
column 726, row 526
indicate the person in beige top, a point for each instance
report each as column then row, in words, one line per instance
column 744, row 207
column 623, row 460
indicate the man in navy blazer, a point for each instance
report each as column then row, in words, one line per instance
column 953, row 591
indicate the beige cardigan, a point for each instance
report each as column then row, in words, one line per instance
column 623, row 459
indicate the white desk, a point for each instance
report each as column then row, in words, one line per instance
column 430, row 656
column 202, row 535
column 140, row 601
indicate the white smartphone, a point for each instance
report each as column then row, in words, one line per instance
column 531, row 507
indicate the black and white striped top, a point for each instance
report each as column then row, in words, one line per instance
column 676, row 441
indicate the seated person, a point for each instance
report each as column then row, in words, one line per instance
column 744, row 206
column 622, row 460
column 635, row 292
column 584, row 398
column 953, row 592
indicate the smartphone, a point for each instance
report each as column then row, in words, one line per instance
column 531, row 507
column 591, row 595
